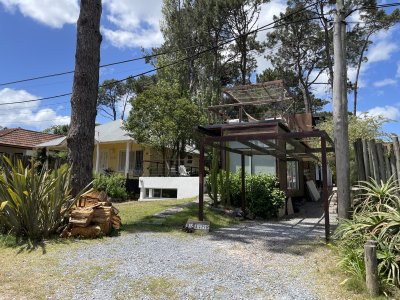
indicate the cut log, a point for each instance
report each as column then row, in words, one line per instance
column 86, row 232
column 82, row 213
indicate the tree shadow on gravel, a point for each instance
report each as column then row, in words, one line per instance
column 297, row 235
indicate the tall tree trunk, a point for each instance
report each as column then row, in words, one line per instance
column 84, row 94
column 114, row 110
column 340, row 114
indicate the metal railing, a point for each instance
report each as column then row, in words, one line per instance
column 159, row 169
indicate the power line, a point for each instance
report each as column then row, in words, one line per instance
column 35, row 100
column 264, row 27
column 41, row 121
column 168, row 52
column 28, row 107
column 101, row 66
column 150, row 55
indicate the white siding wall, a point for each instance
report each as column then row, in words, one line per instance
column 187, row 187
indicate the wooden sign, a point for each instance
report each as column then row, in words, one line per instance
column 193, row 225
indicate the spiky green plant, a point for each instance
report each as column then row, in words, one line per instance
column 33, row 204
column 377, row 193
column 376, row 217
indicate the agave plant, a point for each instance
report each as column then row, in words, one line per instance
column 376, row 218
column 33, row 203
column 376, row 194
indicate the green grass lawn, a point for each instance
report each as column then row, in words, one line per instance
column 139, row 216
column 26, row 271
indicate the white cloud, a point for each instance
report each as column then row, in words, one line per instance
column 137, row 23
column 49, row 12
column 28, row 114
column 387, row 111
column 321, row 89
column 398, row 70
column 268, row 10
column 146, row 38
column 385, row 82
column 382, row 51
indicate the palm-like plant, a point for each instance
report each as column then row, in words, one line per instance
column 33, row 204
column 376, row 217
column 375, row 194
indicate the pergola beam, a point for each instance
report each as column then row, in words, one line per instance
column 237, row 151
column 262, row 149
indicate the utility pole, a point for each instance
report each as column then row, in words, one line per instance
column 340, row 112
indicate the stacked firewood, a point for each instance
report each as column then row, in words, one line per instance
column 93, row 216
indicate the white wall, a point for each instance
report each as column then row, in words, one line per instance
column 187, row 187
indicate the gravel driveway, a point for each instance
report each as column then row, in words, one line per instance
column 254, row 260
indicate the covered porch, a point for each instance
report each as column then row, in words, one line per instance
column 276, row 132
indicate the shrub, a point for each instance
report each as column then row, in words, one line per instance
column 263, row 196
column 376, row 217
column 32, row 203
column 112, row 184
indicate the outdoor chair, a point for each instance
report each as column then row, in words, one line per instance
column 183, row 171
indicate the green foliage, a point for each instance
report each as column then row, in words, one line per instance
column 164, row 119
column 33, row 204
column 113, row 185
column 362, row 126
column 263, row 196
column 377, row 217
column 377, row 195
column 57, row 129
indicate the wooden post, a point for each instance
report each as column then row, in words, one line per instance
column 396, row 149
column 325, row 195
column 201, row 182
column 381, row 161
column 243, row 180
column 359, row 159
column 366, row 159
column 374, row 159
column 386, row 153
column 392, row 161
column 371, row 268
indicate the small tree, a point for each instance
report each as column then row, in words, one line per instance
column 162, row 118
column 360, row 127
column 57, row 129
column 110, row 93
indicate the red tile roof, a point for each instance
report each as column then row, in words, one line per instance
column 23, row 138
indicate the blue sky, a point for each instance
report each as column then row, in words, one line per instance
column 39, row 38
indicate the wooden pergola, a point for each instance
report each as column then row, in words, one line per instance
column 264, row 137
